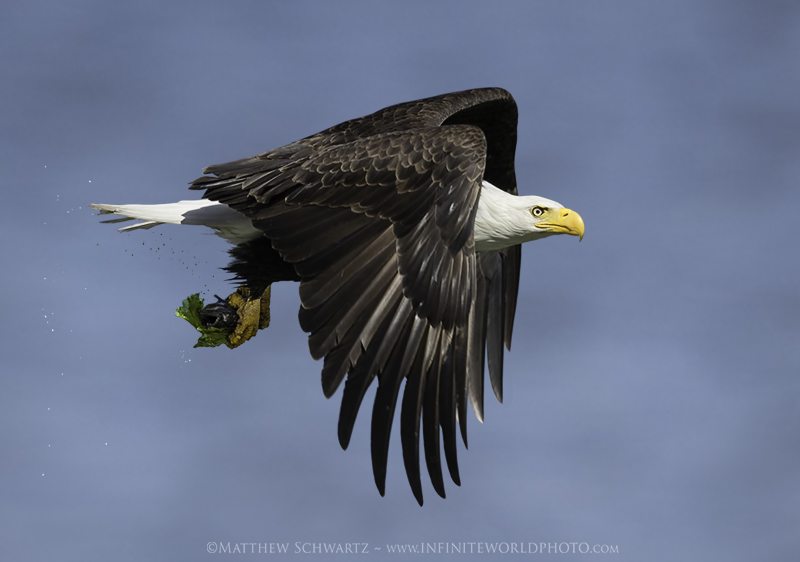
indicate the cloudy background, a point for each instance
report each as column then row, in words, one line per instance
column 652, row 390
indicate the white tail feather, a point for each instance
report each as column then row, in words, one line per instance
column 227, row 223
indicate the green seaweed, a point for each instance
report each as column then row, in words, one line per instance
column 190, row 311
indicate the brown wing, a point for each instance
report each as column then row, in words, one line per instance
column 376, row 216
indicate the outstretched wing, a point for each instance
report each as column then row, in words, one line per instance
column 376, row 216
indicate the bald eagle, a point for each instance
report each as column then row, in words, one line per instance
column 403, row 229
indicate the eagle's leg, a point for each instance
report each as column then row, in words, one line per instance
column 242, row 315
column 236, row 319
column 253, row 315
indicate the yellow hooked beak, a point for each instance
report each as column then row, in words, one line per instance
column 562, row 221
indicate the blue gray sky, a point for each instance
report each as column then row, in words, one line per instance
column 652, row 387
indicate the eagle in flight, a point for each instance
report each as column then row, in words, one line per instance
column 404, row 230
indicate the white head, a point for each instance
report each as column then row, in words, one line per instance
column 505, row 220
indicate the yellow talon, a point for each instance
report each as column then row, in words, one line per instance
column 253, row 315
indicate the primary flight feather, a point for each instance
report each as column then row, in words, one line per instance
column 404, row 230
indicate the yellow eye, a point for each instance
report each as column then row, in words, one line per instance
column 537, row 211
